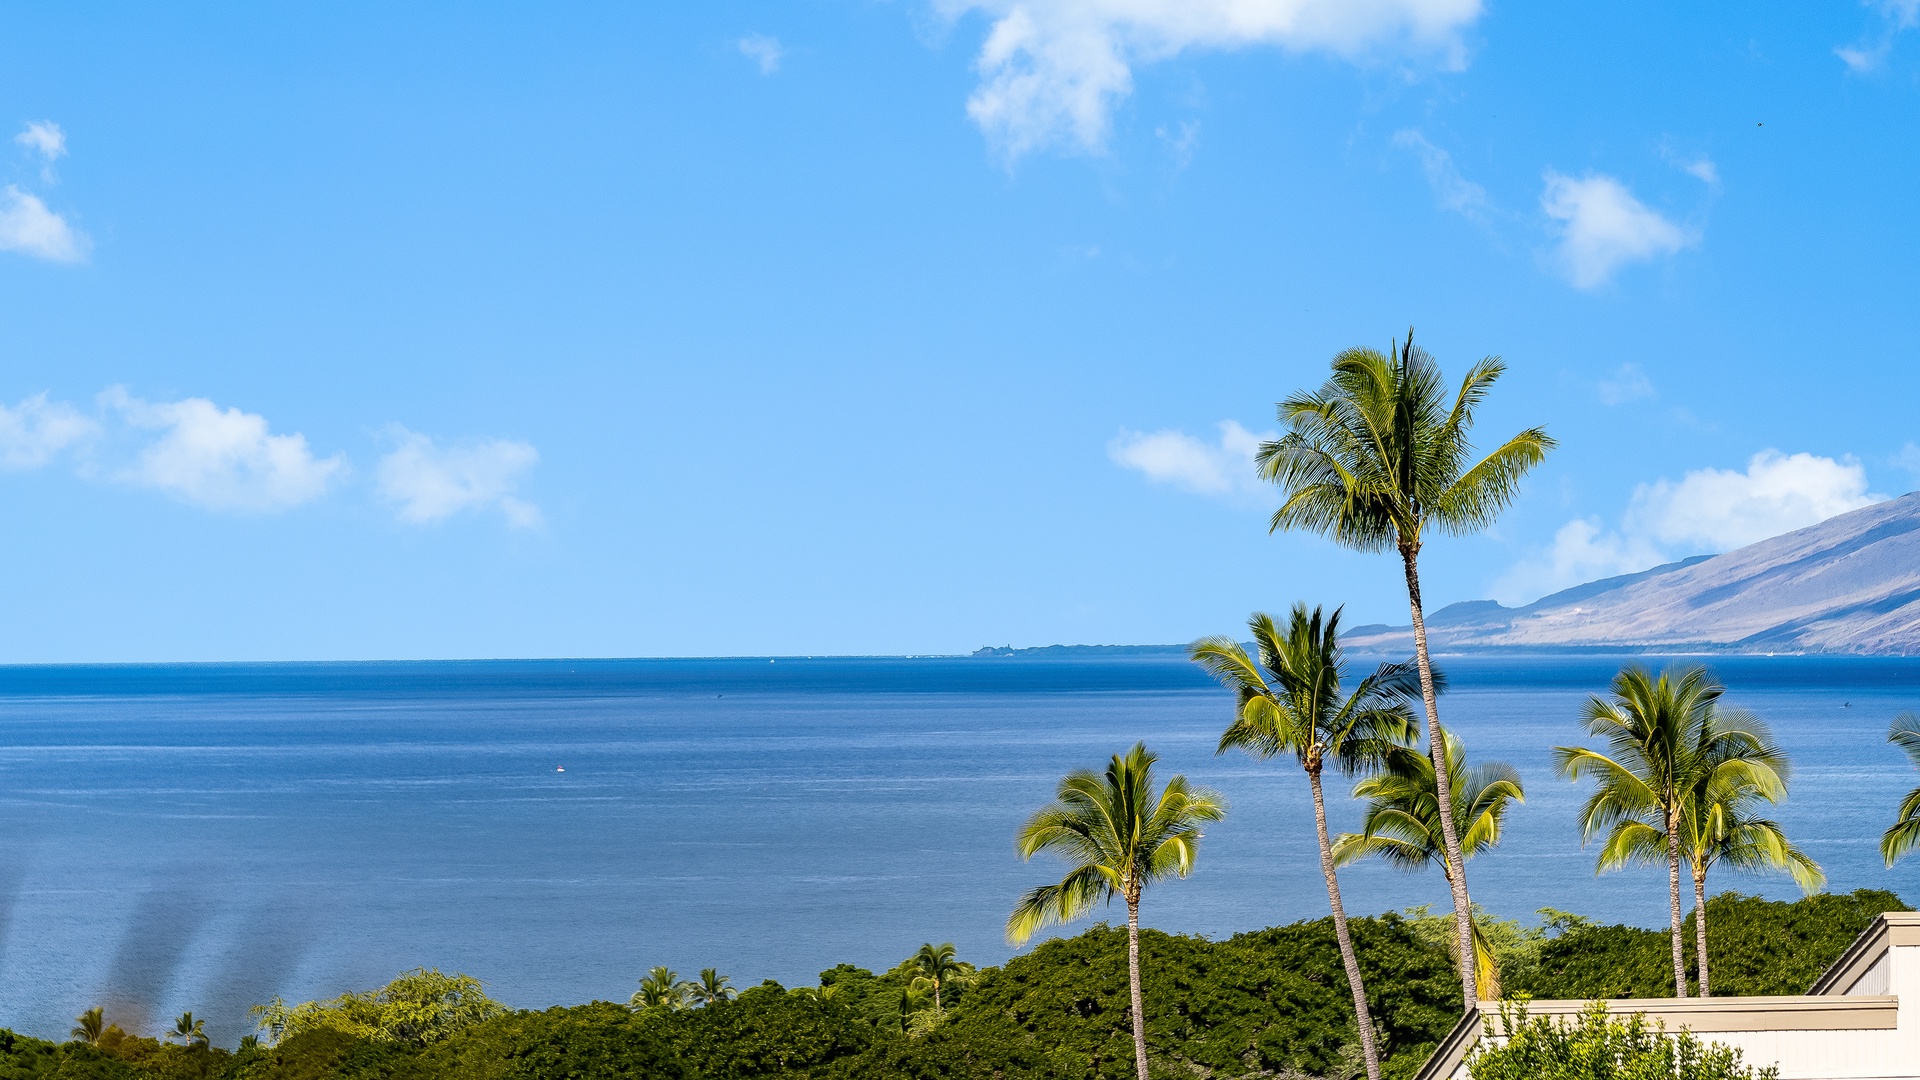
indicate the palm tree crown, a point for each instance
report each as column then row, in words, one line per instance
column 191, row 1031
column 1379, row 453
column 1119, row 834
column 89, row 1025
column 712, row 988
column 1904, row 835
column 938, row 966
column 662, row 988
column 1290, row 701
column 1402, row 821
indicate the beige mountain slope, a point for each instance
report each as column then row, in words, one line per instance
column 1850, row 584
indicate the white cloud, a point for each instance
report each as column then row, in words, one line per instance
column 27, row 226
column 1582, row 550
column 1454, row 192
column 1628, row 383
column 35, row 430
column 1864, row 58
column 1720, row 509
column 430, row 483
column 1706, row 510
column 221, row 459
column 45, row 138
column 1896, row 15
column 763, row 50
column 1052, row 70
column 1602, row 226
column 1174, row 457
column 1702, row 169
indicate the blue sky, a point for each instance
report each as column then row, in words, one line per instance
column 872, row 327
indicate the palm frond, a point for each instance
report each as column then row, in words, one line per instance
column 1062, row 902
column 1632, row 842
column 1905, row 734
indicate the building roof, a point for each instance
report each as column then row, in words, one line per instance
column 1851, row 995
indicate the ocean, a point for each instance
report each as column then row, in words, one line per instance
column 206, row 837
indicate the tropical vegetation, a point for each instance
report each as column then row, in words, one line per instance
column 1379, row 458
column 1596, row 1046
column 1261, row 1004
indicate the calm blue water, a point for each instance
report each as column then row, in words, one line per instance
column 205, row 837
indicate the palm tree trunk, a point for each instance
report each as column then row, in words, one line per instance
column 1133, row 980
column 1700, row 927
column 1443, row 788
column 1362, row 1019
column 1673, row 888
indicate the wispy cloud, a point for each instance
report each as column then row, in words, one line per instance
column 1702, row 169
column 1453, row 191
column 1706, row 510
column 1627, row 383
column 44, row 138
column 33, row 432
column 1719, row 509
column 1222, row 467
column 221, row 459
column 1868, row 54
column 1051, row 71
column 1603, row 227
column 28, row 227
column 1180, row 142
column 764, row 50
column 428, row 483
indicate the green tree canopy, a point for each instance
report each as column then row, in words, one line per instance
column 420, row 1007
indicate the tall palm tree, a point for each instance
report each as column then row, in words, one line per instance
column 1402, row 823
column 89, row 1025
column 711, row 989
column 188, row 1030
column 1290, row 702
column 1378, row 458
column 936, row 964
column 1121, row 833
column 1665, row 738
column 662, row 988
column 1905, row 833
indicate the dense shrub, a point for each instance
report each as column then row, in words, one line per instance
column 1756, row 947
column 600, row 1041
column 1600, row 1047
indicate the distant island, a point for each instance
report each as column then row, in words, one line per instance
column 1053, row 652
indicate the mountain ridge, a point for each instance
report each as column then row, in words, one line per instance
column 1849, row 585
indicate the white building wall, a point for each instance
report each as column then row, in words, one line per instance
column 1824, row 1055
